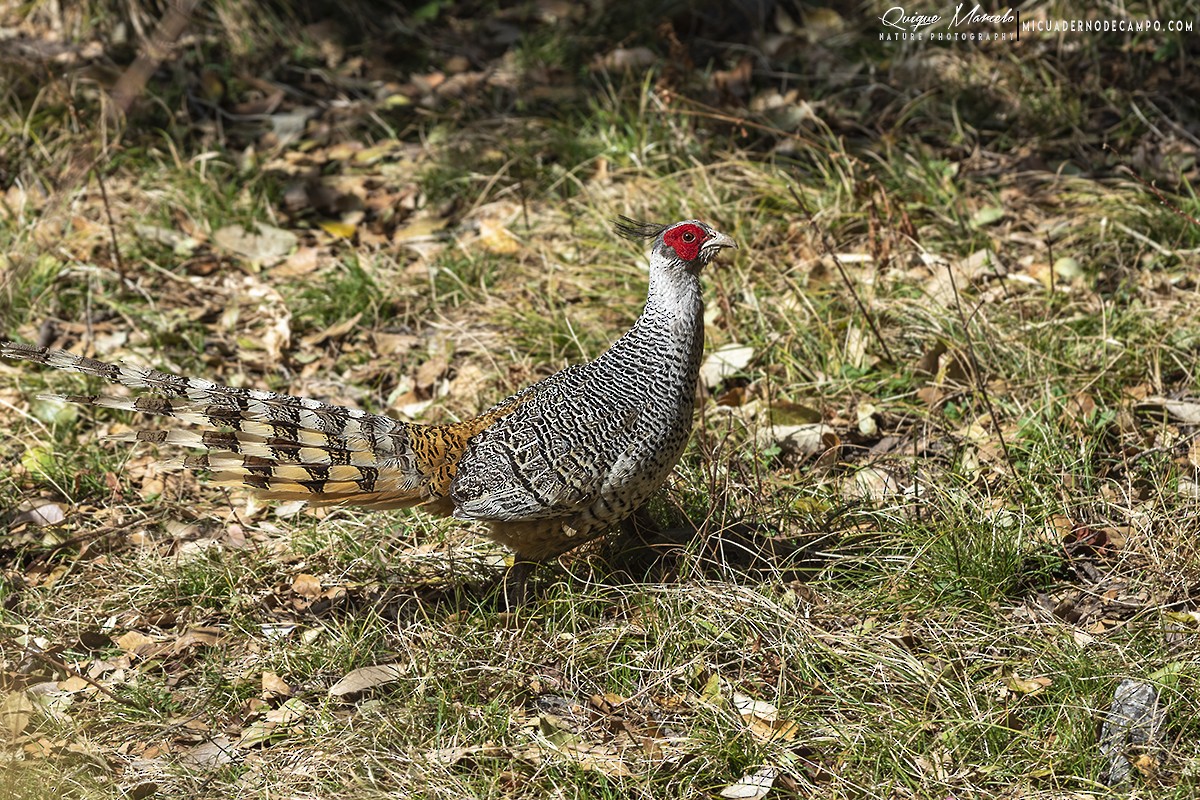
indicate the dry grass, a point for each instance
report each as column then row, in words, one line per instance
column 937, row 599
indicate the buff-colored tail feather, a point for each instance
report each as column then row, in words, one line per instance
column 285, row 447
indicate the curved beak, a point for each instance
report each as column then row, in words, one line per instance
column 718, row 241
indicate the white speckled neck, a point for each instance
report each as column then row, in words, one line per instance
column 674, row 290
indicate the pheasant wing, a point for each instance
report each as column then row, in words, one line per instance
column 553, row 457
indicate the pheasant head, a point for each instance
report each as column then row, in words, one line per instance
column 686, row 246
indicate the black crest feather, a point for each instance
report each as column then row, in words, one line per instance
column 632, row 229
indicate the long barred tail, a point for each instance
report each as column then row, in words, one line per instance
column 286, row 447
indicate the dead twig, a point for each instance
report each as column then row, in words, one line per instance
column 829, row 251
column 1176, row 210
column 977, row 373
column 112, row 224
column 54, row 662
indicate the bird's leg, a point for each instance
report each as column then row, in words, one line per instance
column 516, row 581
column 644, row 548
column 639, row 524
column 643, row 528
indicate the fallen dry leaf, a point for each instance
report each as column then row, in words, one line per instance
column 301, row 262
column 625, row 58
column 1026, row 685
column 871, row 483
column 40, row 514
column 216, row 752
column 360, row 680
column 593, row 757
column 15, row 713
column 75, row 683
column 798, row 440
column 753, row 785
column 335, row 331
column 957, row 275
column 867, row 425
column 274, row 724
column 274, row 686
column 421, row 228
column 762, row 719
column 306, row 585
column 429, row 372
column 725, row 362
column 822, row 23
column 339, row 230
column 1184, row 411
column 197, row 637
column 136, row 642
column 495, row 238
column 450, row 756
column 264, row 246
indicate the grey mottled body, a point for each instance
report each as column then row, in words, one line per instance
column 596, row 440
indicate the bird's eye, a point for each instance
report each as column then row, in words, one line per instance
column 689, row 237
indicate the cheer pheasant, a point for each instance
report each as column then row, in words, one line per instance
column 548, row 468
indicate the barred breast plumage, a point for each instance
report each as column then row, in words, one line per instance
column 547, row 468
